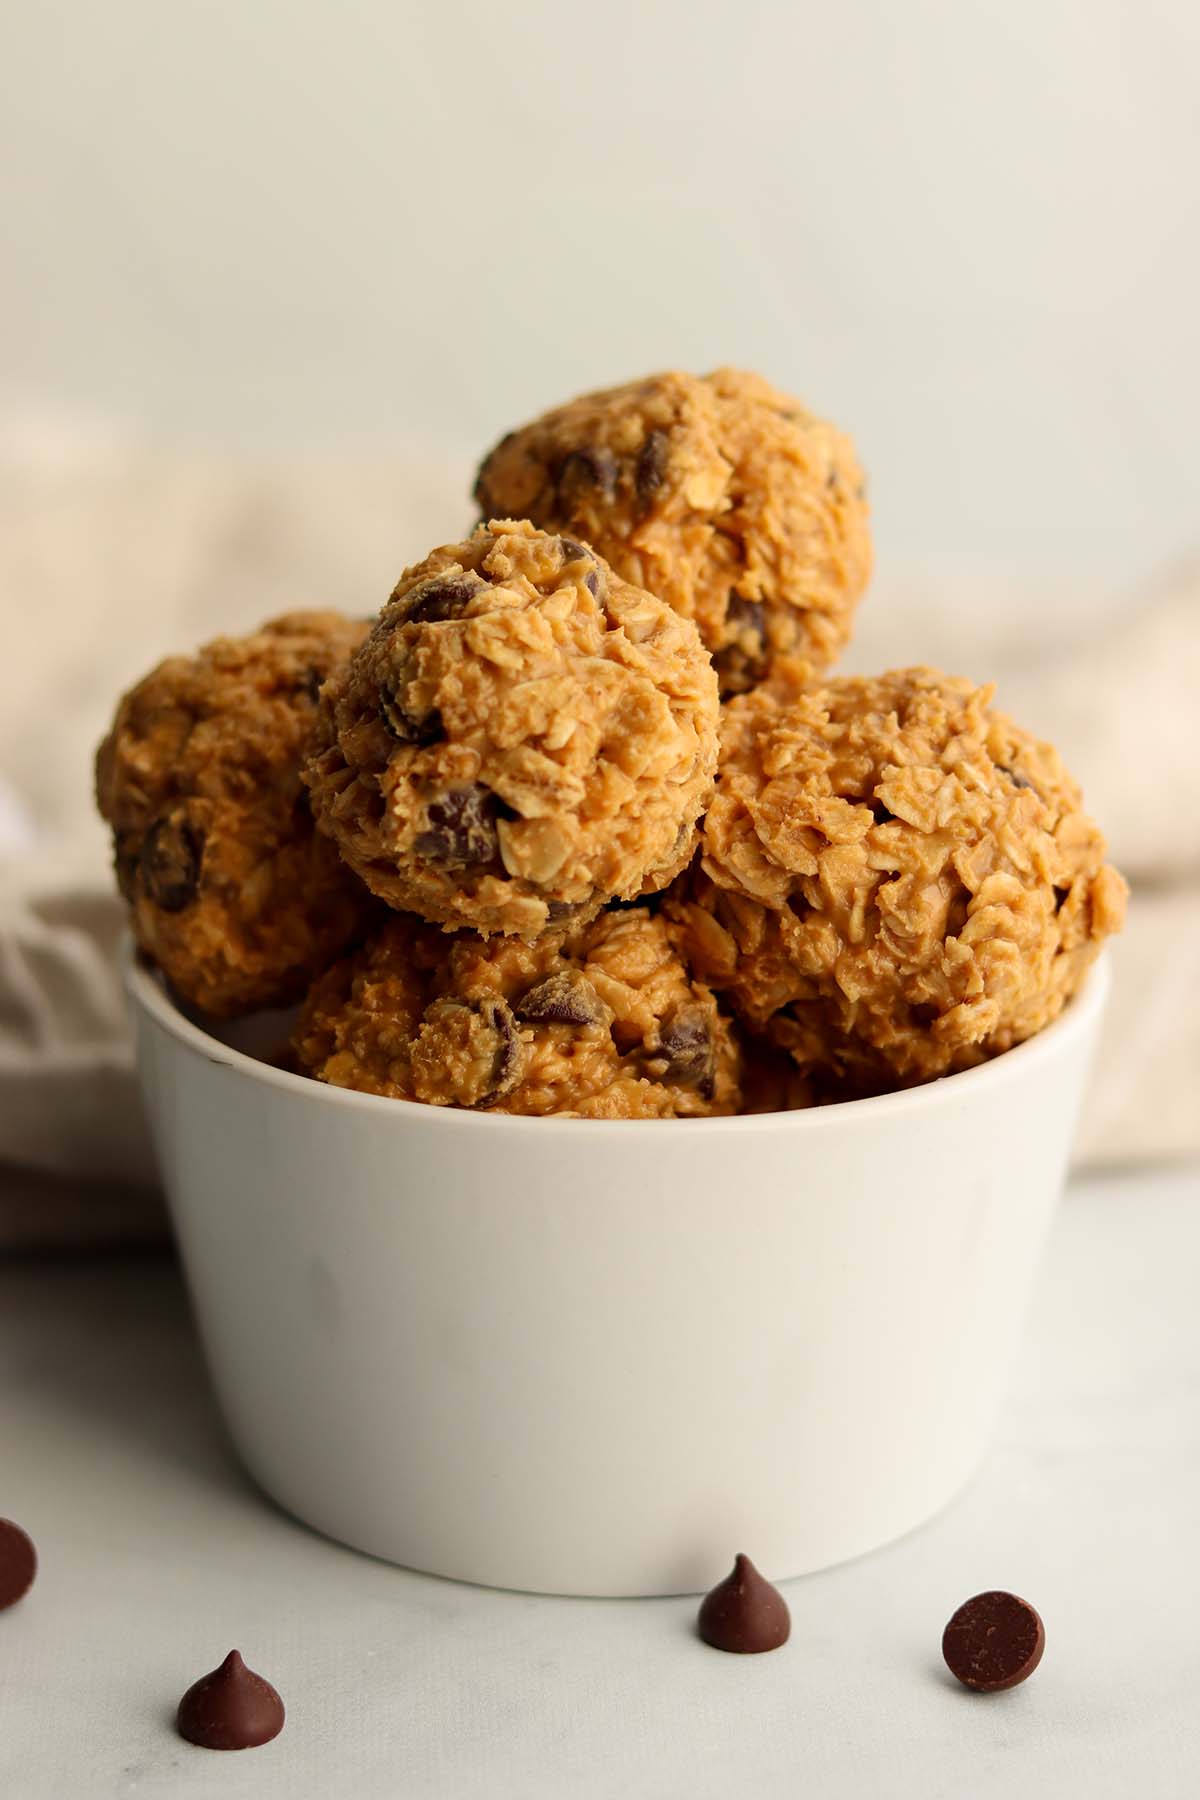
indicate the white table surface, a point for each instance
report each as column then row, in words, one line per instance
column 158, row 1556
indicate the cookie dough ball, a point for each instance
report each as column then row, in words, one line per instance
column 896, row 879
column 523, row 737
column 233, row 892
column 602, row 1021
column 726, row 498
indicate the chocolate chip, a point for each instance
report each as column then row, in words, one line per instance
column 169, row 865
column 510, row 1054
column 566, row 998
column 1018, row 780
column 18, row 1563
column 403, row 723
column 440, row 598
column 460, row 828
column 585, row 473
column 230, row 1709
column 593, row 581
column 994, row 1641
column 744, row 1613
column 743, row 659
column 651, row 465
column 557, row 910
column 471, row 1046
column 572, row 552
column 686, row 1043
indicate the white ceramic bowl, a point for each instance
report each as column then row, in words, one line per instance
column 589, row 1357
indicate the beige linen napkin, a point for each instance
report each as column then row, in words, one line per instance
column 113, row 553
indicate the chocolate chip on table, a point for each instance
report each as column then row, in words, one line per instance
column 18, row 1563
column 440, row 598
column 566, row 998
column 230, row 1709
column 744, row 1614
column 994, row 1641
column 460, row 829
column 583, row 474
column 169, row 864
column 651, row 464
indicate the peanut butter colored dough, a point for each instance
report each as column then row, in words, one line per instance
column 523, row 737
column 601, row 1021
column 233, row 893
column 896, row 880
column 723, row 496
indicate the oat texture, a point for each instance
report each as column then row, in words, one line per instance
column 896, row 881
column 723, row 496
column 523, row 737
column 232, row 892
column 599, row 1021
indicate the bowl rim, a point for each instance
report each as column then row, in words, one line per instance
column 150, row 997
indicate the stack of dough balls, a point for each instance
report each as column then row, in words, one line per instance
column 580, row 825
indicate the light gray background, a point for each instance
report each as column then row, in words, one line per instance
column 970, row 229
